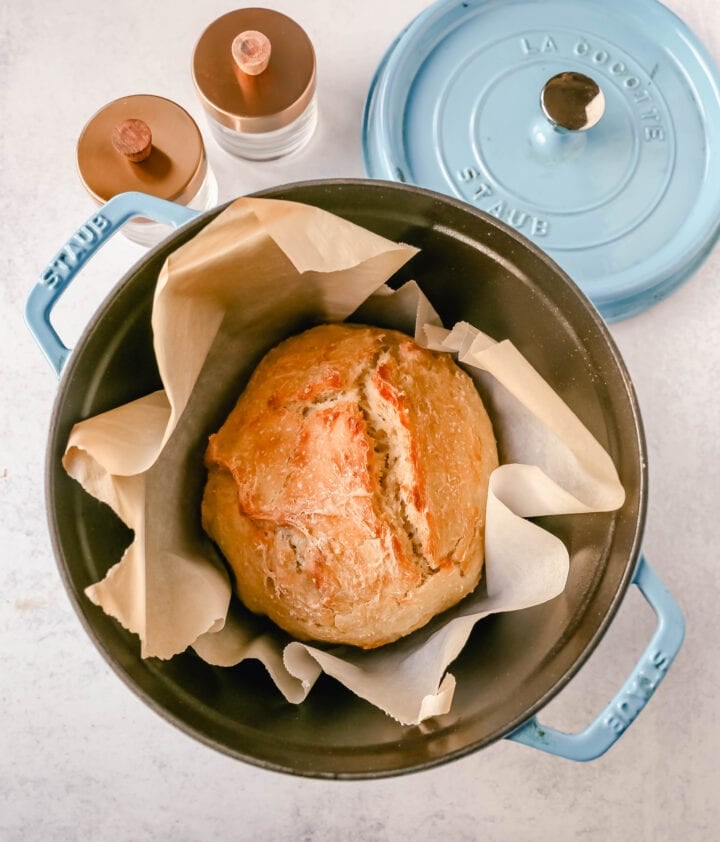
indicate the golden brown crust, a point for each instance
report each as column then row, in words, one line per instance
column 347, row 488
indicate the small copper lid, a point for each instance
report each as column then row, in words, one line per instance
column 250, row 103
column 146, row 143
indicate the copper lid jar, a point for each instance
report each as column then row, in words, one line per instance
column 150, row 144
column 254, row 70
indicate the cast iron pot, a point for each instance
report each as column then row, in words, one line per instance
column 472, row 267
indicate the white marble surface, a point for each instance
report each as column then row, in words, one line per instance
column 80, row 756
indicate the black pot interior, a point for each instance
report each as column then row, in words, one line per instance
column 472, row 268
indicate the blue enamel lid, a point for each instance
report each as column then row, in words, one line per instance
column 629, row 203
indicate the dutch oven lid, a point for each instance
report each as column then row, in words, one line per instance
column 590, row 126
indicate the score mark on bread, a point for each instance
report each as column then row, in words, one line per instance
column 347, row 488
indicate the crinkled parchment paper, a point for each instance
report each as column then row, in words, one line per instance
column 262, row 270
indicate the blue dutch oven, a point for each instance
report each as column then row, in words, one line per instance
column 473, row 267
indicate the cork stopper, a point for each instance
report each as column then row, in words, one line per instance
column 251, row 52
column 133, row 139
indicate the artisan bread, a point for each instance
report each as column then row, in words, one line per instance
column 347, row 488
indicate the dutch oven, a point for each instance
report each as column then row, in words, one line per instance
column 474, row 268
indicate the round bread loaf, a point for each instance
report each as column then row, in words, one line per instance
column 347, row 488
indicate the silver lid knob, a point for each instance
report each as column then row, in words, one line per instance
column 572, row 101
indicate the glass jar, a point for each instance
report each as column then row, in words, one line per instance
column 254, row 71
column 149, row 144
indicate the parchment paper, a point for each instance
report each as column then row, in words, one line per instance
column 262, row 270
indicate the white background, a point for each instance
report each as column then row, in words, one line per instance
column 80, row 756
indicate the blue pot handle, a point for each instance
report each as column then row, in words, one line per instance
column 635, row 692
column 81, row 246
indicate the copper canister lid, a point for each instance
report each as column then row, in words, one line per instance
column 251, row 103
column 143, row 142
